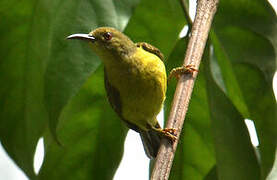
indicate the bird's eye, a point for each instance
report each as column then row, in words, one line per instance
column 107, row 36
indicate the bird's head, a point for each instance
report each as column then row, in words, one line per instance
column 107, row 40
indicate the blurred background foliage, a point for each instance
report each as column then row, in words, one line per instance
column 54, row 89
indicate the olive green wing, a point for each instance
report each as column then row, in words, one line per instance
column 151, row 49
column 150, row 139
column 115, row 101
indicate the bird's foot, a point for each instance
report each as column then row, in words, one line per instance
column 169, row 133
column 177, row 72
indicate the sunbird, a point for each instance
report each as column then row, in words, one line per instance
column 135, row 82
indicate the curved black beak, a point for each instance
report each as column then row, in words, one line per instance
column 86, row 37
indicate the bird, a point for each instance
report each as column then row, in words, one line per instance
column 135, row 82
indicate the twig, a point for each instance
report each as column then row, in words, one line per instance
column 204, row 14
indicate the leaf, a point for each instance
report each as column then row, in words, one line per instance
column 23, row 52
column 157, row 23
column 260, row 104
column 235, row 155
column 256, row 15
column 212, row 175
column 249, row 47
column 225, row 76
column 40, row 70
column 92, row 137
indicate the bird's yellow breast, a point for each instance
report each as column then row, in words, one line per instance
column 141, row 82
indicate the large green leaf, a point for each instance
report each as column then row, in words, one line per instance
column 255, row 15
column 158, row 23
column 235, row 155
column 40, row 70
column 92, row 137
column 245, row 52
column 256, row 90
column 23, row 51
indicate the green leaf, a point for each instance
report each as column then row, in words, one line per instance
column 245, row 49
column 92, row 137
column 212, row 175
column 256, row 88
column 255, row 15
column 235, row 155
column 223, row 74
column 40, row 70
column 23, row 50
column 157, row 23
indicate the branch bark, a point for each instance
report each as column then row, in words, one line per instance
column 204, row 15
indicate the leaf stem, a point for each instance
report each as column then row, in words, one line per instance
column 204, row 15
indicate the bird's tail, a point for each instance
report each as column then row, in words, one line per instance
column 151, row 142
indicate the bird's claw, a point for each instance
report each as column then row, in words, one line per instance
column 177, row 72
column 170, row 134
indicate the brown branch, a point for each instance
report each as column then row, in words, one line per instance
column 204, row 14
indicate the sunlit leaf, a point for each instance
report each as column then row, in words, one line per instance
column 92, row 137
